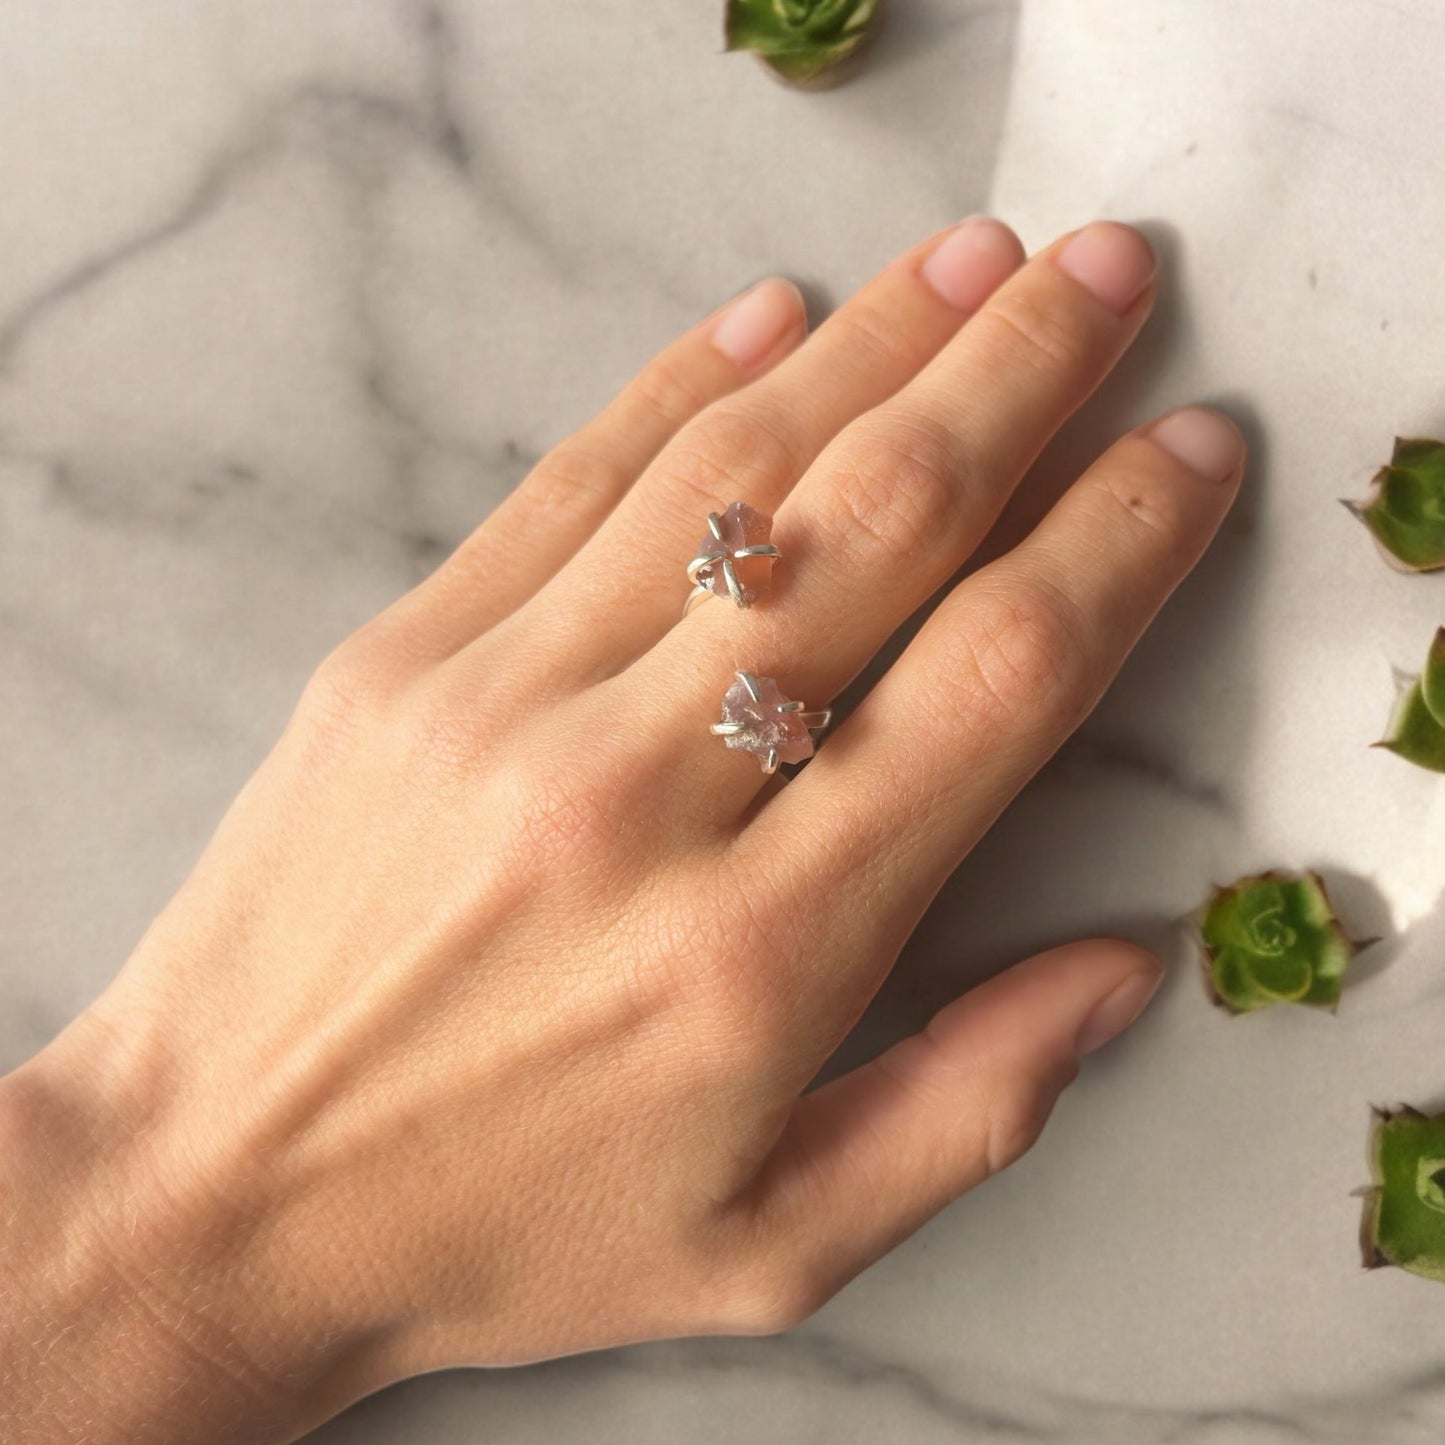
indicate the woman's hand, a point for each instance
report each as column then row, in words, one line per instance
column 480, row 1032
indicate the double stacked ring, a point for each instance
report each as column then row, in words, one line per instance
column 736, row 560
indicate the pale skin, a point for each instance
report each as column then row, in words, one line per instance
column 483, row 1030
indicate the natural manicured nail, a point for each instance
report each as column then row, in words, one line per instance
column 1116, row 1011
column 1207, row 442
column 752, row 324
column 971, row 262
column 1113, row 261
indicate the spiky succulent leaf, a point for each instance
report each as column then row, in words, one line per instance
column 1404, row 1218
column 1416, row 731
column 1273, row 938
column 1432, row 680
column 1406, row 507
column 800, row 39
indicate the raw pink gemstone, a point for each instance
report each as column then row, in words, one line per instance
column 764, row 727
column 742, row 526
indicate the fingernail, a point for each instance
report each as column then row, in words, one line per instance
column 755, row 322
column 1117, row 1011
column 972, row 261
column 1207, row 442
column 1113, row 261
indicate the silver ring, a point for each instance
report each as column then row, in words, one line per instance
column 735, row 559
column 758, row 719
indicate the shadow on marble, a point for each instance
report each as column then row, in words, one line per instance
column 1365, row 912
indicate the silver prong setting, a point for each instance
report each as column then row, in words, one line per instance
column 717, row 558
column 758, row 719
column 704, row 559
column 735, row 588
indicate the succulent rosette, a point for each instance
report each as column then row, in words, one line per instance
column 802, row 41
column 1404, row 1218
column 1417, row 726
column 1273, row 938
column 1405, row 510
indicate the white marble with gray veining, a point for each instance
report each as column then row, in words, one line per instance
column 292, row 291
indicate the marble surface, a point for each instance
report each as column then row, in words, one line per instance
column 292, row 291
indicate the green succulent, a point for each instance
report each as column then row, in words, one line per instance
column 801, row 39
column 1271, row 939
column 1405, row 510
column 1404, row 1219
column 1417, row 725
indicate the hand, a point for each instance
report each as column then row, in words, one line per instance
column 481, row 1031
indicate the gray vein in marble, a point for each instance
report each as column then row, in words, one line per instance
column 432, row 121
column 339, row 114
column 72, row 486
column 200, row 504
column 439, row 47
column 343, row 116
column 848, row 1364
column 204, row 197
column 113, row 686
column 817, row 1353
column 841, row 1364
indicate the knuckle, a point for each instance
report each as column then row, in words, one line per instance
column 443, row 745
column 359, row 679
column 1021, row 653
column 868, row 336
column 1015, row 1112
column 475, row 708
column 731, row 448
column 670, row 388
column 920, row 1068
column 892, row 488
column 566, row 483
column 1033, row 335
column 558, row 819
column 451, row 740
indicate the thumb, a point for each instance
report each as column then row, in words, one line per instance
column 868, row 1158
